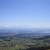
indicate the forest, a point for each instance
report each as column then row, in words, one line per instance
column 24, row 43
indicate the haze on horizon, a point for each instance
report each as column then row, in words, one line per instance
column 31, row 13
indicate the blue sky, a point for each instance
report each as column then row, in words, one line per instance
column 31, row 13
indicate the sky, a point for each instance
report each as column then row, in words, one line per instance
column 25, row 13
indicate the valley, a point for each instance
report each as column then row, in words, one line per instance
column 24, row 40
